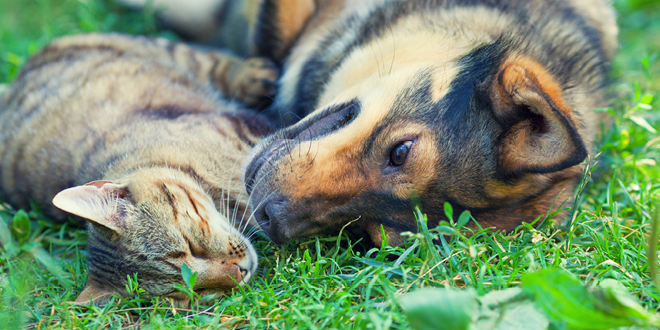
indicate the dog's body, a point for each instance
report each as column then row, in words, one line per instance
column 486, row 104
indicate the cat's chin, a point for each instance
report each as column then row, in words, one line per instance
column 209, row 297
column 98, row 295
column 181, row 301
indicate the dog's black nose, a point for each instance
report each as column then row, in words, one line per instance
column 271, row 217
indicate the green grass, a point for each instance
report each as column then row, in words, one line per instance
column 336, row 282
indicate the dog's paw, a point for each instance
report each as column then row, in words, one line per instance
column 254, row 80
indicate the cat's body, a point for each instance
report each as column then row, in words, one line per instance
column 146, row 117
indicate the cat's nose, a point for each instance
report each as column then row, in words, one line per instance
column 242, row 274
column 224, row 277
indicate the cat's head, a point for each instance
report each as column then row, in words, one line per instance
column 151, row 223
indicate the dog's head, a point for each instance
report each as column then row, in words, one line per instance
column 442, row 115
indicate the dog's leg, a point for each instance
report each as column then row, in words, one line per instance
column 248, row 27
column 278, row 25
column 195, row 20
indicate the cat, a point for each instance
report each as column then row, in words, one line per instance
column 136, row 136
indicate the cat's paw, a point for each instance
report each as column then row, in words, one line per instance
column 254, row 80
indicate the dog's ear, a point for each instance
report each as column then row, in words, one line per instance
column 540, row 130
column 278, row 25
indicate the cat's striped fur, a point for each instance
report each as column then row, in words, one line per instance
column 146, row 117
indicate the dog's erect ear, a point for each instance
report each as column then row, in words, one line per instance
column 540, row 133
column 100, row 202
column 278, row 25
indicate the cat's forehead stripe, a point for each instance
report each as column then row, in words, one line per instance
column 171, row 199
column 197, row 206
column 178, row 206
column 190, row 198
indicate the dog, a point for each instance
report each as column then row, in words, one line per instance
column 484, row 104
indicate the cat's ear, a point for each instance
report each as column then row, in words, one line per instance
column 541, row 132
column 94, row 293
column 99, row 202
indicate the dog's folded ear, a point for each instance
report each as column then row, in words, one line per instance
column 540, row 129
column 279, row 23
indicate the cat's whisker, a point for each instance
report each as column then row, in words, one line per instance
column 231, row 176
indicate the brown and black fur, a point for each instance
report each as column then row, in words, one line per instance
column 494, row 100
column 120, row 129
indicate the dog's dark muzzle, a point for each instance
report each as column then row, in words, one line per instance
column 268, row 204
column 272, row 169
column 257, row 173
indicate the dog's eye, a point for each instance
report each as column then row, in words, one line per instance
column 399, row 154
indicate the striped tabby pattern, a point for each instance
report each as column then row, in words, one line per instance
column 147, row 118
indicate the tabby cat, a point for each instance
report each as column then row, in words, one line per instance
column 150, row 152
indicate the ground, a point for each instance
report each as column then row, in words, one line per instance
column 336, row 282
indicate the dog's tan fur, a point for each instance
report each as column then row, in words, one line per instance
column 495, row 99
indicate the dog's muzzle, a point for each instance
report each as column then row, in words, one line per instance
column 279, row 217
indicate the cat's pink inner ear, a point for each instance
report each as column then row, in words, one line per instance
column 97, row 201
column 108, row 187
column 98, row 184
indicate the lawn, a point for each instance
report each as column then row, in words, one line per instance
column 340, row 282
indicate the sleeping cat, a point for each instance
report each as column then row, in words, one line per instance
column 138, row 132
